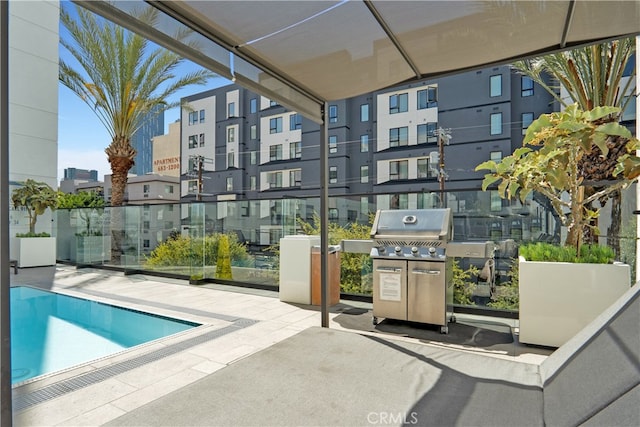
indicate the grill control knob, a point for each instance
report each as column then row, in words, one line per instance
column 382, row 249
column 414, row 251
column 432, row 251
column 398, row 249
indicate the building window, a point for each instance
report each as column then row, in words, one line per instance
column 333, row 114
column 275, row 125
column 428, row 98
column 333, row 214
column 364, row 143
column 496, row 201
column 496, row 156
column 333, row 175
column 168, row 189
column 364, row 113
column 398, row 169
column 398, row 136
column 193, row 118
column 527, row 86
column 495, row 85
column 427, row 133
column 253, row 182
column 231, row 135
column 629, row 112
column 231, row 109
column 193, row 186
column 253, row 131
column 202, row 140
column 254, row 157
column 333, row 144
column 295, row 122
column 496, row 123
column 231, row 160
column 146, row 244
column 398, row 103
column 192, row 165
column 364, row 174
column 295, row 178
column 201, row 116
column 193, row 141
column 275, row 180
column 364, row 205
column 145, row 188
column 275, row 152
column 527, row 119
column 424, row 169
column 253, row 105
column 229, row 183
column 295, row 150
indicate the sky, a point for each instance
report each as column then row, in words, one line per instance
column 82, row 138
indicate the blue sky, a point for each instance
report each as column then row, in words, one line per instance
column 82, row 138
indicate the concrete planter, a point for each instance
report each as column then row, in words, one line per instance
column 36, row 251
column 559, row 299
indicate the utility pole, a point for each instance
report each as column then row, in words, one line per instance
column 444, row 135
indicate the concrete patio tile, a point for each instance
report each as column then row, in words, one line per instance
column 71, row 405
column 297, row 316
column 95, row 417
column 155, row 372
column 149, row 393
column 234, row 354
column 208, row 367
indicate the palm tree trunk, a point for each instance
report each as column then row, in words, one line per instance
column 120, row 155
column 613, row 232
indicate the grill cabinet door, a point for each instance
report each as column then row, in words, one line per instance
column 390, row 289
column 426, row 294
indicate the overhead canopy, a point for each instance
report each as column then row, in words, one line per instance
column 303, row 53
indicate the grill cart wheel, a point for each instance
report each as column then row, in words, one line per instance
column 444, row 330
column 453, row 319
column 375, row 321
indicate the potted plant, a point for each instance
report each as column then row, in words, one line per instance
column 35, row 249
column 557, row 299
column 86, row 244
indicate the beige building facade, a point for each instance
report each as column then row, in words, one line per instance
column 166, row 152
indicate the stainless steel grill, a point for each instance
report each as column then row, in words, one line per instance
column 412, row 272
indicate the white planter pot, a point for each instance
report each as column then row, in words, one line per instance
column 558, row 299
column 36, row 251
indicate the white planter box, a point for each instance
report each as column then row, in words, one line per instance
column 36, row 251
column 558, row 299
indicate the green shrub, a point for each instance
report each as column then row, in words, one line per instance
column 507, row 296
column 30, row 234
column 223, row 263
column 463, row 285
column 187, row 251
column 594, row 254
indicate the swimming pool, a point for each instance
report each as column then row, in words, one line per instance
column 50, row 331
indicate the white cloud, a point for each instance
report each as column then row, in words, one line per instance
column 88, row 159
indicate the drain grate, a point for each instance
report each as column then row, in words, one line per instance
column 24, row 401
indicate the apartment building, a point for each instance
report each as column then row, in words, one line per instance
column 237, row 145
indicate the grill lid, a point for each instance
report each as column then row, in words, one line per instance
column 413, row 224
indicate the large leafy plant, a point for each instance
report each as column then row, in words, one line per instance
column 36, row 197
column 548, row 162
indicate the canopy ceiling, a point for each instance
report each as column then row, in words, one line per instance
column 303, row 53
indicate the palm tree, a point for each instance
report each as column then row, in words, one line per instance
column 592, row 77
column 122, row 78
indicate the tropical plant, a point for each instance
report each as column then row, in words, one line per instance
column 562, row 140
column 122, row 78
column 86, row 203
column 35, row 197
column 592, row 76
column 463, row 283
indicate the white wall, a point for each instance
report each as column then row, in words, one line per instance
column 33, row 101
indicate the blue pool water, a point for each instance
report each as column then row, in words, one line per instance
column 50, row 332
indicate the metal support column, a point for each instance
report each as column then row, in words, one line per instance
column 324, row 217
column 5, row 318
